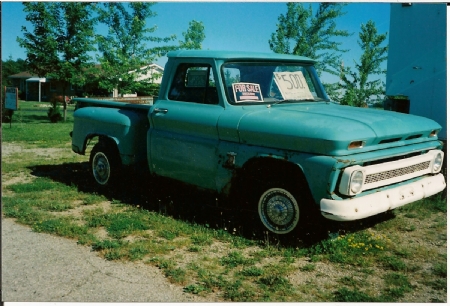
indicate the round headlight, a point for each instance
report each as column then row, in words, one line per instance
column 356, row 181
column 437, row 164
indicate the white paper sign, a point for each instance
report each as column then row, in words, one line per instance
column 292, row 85
column 196, row 78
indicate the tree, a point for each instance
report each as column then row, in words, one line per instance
column 124, row 48
column 59, row 45
column 300, row 32
column 356, row 85
column 194, row 36
column 10, row 67
column 41, row 44
column 75, row 41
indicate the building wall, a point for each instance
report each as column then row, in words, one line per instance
column 417, row 66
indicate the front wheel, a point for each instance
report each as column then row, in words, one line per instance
column 104, row 162
column 278, row 210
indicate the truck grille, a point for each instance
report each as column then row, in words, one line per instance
column 390, row 172
column 386, row 175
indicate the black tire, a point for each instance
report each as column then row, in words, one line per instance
column 105, row 164
column 280, row 202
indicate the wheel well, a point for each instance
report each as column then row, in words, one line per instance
column 98, row 138
column 262, row 168
column 258, row 171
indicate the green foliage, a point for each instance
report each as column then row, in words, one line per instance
column 124, row 48
column 347, row 295
column 54, row 114
column 138, row 250
column 308, row 268
column 398, row 285
column 195, row 289
column 356, row 85
column 120, row 225
column 63, row 36
column 202, row 238
column 61, row 227
column 194, row 36
column 440, row 269
column 234, row 259
column 301, row 32
column 356, row 249
column 252, row 271
column 61, row 40
column 41, row 44
column 177, row 275
column 275, row 282
column 10, row 67
column 394, row 263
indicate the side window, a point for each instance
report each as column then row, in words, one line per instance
column 194, row 83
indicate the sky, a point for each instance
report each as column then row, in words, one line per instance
column 243, row 26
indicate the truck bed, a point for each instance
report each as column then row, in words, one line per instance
column 86, row 102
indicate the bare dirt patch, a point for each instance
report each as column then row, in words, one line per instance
column 10, row 149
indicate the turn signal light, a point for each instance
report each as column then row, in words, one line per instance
column 433, row 133
column 356, row 144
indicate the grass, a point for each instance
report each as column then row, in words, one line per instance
column 397, row 258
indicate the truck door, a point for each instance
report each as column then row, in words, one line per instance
column 184, row 136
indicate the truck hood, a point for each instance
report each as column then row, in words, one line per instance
column 328, row 128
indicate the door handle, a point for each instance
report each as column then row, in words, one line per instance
column 160, row 110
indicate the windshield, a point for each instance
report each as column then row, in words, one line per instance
column 256, row 83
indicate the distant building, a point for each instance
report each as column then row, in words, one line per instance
column 34, row 88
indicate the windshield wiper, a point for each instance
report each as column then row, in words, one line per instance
column 302, row 100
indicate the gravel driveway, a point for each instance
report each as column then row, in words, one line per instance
column 38, row 267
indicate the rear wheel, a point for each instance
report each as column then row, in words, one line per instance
column 104, row 163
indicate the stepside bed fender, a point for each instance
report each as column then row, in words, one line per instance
column 127, row 128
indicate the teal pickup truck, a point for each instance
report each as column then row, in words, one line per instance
column 259, row 130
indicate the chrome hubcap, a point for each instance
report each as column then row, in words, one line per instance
column 101, row 168
column 278, row 210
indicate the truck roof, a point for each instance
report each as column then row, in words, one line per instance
column 237, row 55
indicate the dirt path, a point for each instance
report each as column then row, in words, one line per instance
column 44, row 268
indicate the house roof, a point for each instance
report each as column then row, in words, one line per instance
column 22, row 75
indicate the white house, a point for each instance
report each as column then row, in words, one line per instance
column 153, row 74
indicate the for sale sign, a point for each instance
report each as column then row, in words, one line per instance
column 247, row 92
column 11, row 98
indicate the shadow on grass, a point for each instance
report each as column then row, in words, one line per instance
column 189, row 204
